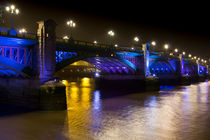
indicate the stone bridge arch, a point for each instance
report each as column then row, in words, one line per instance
column 190, row 69
column 161, row 67
column 101, row 65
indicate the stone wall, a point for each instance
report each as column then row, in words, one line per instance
column 30, row 94
column 20, row 92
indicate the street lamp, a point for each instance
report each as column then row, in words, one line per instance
column 111, row 34
column 183, row 53
column 166, row 46
column 136, row 39
column 22, row 31
column 65, row 37
column 13, row 11
column 95, row 42
column 135, row 43
column 176, row 50
column 71, row 24
column 153, row 43
column 116, row 45
column 190, row 55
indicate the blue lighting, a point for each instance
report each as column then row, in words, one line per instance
column 13, row 32
column 154, row 56
column 62, row 55
column 110, row 65
column 131, row 54
column 166, row 87
column 96, row 100
column 16, row 42
column 97, row 74
column 148, row 44
column 9, row 67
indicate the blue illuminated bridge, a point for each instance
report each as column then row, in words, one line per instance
column 43, row 55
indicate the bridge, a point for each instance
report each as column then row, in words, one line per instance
column 44, row 56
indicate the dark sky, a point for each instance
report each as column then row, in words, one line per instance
column 182, row 25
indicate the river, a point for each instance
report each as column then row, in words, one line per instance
column 173, row 113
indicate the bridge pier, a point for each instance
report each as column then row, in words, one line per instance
column 45, row 51
column 151, row 82
column 146, row 49
column 185, row 79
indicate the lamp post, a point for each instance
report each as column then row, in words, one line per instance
column 153, row 43
column 72, row 25
column 166, row 46
column 135, row 45
column 22, row 31
column 65, row 37
column 13, row 11
column 136, row 39
column 111, row 34
column 176, row 51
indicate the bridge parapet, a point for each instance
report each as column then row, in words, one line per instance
column 78, row 43
column 6, row 33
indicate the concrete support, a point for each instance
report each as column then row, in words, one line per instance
column 181, row 63
column 198, row 66
column 146, row 49
column 178, row 67
column 139, row 65
column 45, row 62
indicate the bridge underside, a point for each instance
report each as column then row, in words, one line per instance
column 190, row 69
column 10, row 68
column 97, row 66
column 109, row 65
column 162, row 69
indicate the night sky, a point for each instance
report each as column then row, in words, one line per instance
column 183, row 25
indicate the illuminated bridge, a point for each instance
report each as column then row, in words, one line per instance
column 44, row 55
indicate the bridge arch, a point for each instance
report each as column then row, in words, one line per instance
column 161, row 67
column 104, row 65
column 190, row 69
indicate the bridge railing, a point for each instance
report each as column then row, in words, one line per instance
column 6, row 33
column 66, row 42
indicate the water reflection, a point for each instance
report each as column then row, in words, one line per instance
column 97, row 100
column 173, row 113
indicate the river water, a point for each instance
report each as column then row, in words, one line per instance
column 173, row 113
